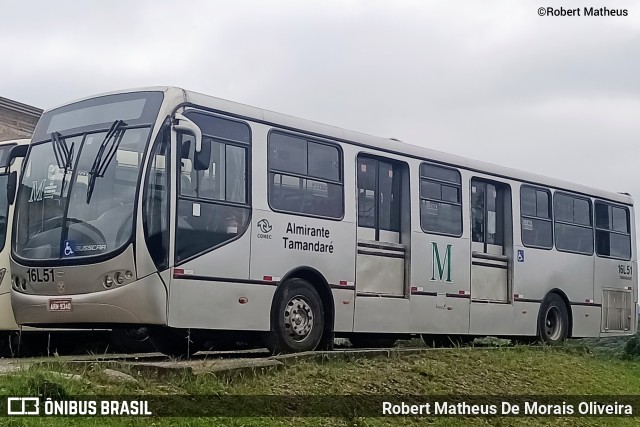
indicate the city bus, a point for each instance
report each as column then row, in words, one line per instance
column 15, row 339
column 204, row 219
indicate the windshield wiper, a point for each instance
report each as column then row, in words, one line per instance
column 101, row 163
column 61, row 150
column 63, row 154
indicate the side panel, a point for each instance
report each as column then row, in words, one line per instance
column 439, row 284
column 382, row 314
column 282, row 243
column 538, row 271
column 205, row 296
column 614, row 289
column 210, row 304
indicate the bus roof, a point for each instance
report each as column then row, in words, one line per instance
column 243, row 111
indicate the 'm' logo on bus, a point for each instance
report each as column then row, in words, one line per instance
column 441, row 265
column 265, row 228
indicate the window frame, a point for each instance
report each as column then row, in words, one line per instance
column 596, row 228
column 307, row 139
column 458, row 185
column 592, row 226
column 248, row 181
column 396, row 166
column 551, row 219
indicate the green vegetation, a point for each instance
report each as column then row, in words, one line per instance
column 504, row 371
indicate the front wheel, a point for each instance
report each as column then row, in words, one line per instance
column 553, row 320
column 297, row 321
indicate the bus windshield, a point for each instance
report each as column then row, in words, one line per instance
column 77, row 194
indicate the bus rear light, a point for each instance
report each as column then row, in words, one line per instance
column 24, row 284
column 128, row 275
column 178, row 272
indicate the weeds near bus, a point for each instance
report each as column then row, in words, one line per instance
column 499, row 371
column 632, row 348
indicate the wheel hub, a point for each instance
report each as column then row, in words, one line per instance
column 298, row 318
column 553, row 324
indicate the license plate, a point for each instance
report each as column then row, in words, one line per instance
column 59, row 305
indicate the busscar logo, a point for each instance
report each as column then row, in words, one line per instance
column 264, row 226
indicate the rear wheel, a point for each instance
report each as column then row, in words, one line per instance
column 297, row 318
column 173, row 342
column 553, row 320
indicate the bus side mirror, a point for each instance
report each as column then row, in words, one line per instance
column 12, row 182
column 16, row 151
column 183, row 124
column 202, row 158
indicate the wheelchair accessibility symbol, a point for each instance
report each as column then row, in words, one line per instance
column 520, row 255
column 67, row 250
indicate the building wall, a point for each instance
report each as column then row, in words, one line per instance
column 17, row 120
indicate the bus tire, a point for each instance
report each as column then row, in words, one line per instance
column 173, row 342
column 297, row 321
column 553, row 320
column 364, row 341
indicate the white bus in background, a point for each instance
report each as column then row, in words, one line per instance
column 17, row 340
column 239, row 221
column 8, row 325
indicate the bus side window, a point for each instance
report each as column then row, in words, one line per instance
column 441, row 202
column 535, row 217
column 305, row 176
column 213, row 205
column 613, row 233
column 573, row 224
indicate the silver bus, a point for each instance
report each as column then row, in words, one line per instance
column 205, row 219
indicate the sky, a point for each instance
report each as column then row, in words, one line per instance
column 489, row 80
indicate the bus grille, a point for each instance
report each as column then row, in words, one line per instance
column 616, row 310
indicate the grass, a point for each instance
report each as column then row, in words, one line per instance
column 510, row 371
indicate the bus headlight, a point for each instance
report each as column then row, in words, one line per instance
column 119, row 278
column 107, row 282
